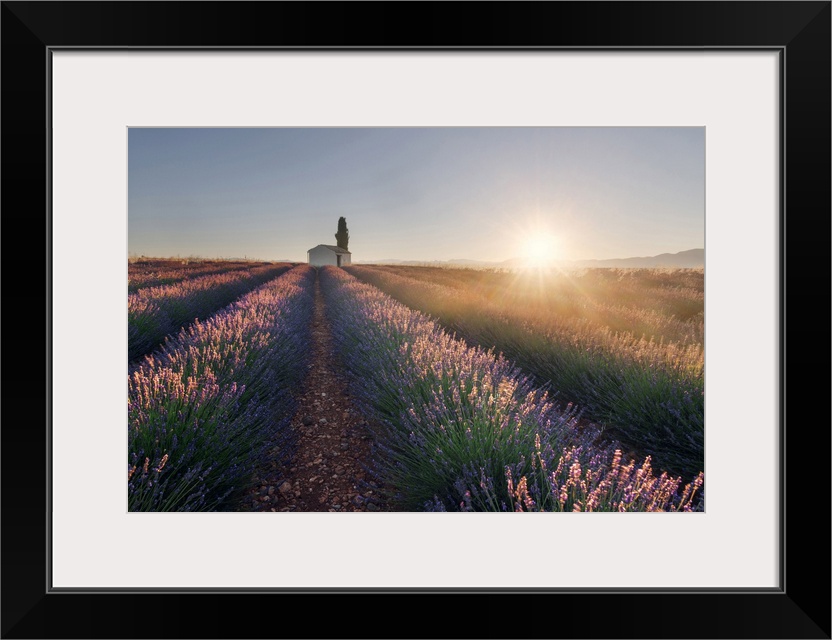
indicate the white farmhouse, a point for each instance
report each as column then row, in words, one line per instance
column 325, row 254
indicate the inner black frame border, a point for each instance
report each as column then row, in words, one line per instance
column 799, row 31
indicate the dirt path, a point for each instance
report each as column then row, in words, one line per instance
column 328, row 471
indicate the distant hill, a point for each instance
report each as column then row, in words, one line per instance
column 690, row 259
column 462, row 262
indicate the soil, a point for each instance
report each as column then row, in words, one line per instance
column 329, row 470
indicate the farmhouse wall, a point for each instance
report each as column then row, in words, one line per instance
column 320, row 256
column 325, row 254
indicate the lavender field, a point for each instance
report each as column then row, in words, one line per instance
column 480, row 391
column 465, row 430
column 626, row 345
column 204, row 410
column 156, row 272
column 156, row 311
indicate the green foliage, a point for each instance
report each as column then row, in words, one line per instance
column 647, row 392
column 343, row 236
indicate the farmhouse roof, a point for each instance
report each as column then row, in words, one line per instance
column 333, row 248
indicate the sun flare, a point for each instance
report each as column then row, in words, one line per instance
column 541, row 250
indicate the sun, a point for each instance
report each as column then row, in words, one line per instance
column 540, row 250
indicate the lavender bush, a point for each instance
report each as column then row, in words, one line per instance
column 462, row 429
column 203, row 411
column 648, row 393
column 156, row 312
column 156, row 273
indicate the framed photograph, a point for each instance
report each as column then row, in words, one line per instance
column 81, row 79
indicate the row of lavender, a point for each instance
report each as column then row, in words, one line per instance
column 204, row 411
column 155, row 312
column 160, row 273
column 648, row 393
column 462, row 429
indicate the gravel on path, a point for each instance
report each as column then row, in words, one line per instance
column 328, row 472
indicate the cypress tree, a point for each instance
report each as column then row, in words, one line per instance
column 343, row 236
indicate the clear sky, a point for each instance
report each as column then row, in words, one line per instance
column 417, row 193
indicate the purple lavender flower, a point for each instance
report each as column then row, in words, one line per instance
column 462, row 427
column 203, row 411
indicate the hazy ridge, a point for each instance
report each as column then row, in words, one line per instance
column 690, row 259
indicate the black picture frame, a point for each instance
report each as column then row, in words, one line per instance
column 799, row 31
